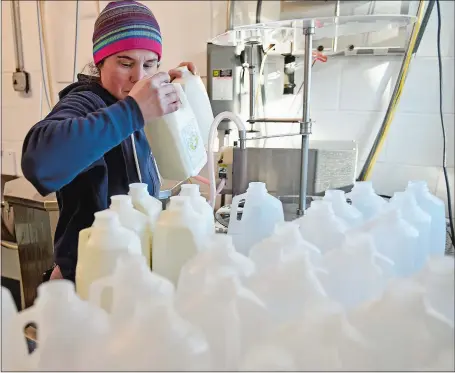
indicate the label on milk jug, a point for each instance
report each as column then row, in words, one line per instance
column 193, row 141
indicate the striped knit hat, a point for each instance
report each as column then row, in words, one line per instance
column 125, row 25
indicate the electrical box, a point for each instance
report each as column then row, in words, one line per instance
column 21, row 81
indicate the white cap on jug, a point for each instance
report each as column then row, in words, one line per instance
column 191, row 190
column 63, row 289
column 138, row 190
column 121, row 200
column 106, row 218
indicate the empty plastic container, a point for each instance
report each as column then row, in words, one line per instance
column 260, row 214
column 145, row 203
column 350, row 215
column 69, row 329
column 419, row 219
column 135, row 221
column 14, row 347
column 285, row 240
column 217, row 259
column 132, row 284
column 200, row 205
column 321, row 227
column 365, row 200
column 179, row 236
column 437, row 278
column 353, row 274
column 434, row 207
column 232, row 318
column 99, row 248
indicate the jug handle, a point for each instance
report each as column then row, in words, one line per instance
column 97, row 287
column 25, row 317
column 234, row 207
column 84, row 236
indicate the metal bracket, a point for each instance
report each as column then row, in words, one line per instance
column 306, row 127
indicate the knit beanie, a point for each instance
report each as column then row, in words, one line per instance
column 125, row 25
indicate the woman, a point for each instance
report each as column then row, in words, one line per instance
column 84, row 150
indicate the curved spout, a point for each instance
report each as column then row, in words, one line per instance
column 212, row 134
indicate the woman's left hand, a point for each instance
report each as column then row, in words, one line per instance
column 175, row 74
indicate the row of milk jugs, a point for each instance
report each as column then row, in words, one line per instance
column 136, row 224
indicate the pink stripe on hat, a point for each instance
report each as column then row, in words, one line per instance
column 128, row 44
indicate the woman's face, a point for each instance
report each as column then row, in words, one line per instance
column 121, row 71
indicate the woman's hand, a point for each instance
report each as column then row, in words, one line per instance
column 175, row 74
column 155, row 96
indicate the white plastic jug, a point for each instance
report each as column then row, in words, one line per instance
column 70, row 330
column 178, row 237
column 434, row 207
column 261, row 213
column 176, row 142
column 437, row 278
column 395, row 239
column 132, row 283
column 231, row 316
column 199, row 100
column 321, row 227
column 200, row 205
column 405, row 333
column 135, row 221
column 267, row 358
column 155, row 338
column 14, row 348
column 99, row 248
column 218, row 259
column 287, row 284
column 353, row 275
column 342, row 208
column 419, row 219
column 145, row 203
column 364, row 199
column 285, row 240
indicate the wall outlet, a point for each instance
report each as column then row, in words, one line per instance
column 21, row 81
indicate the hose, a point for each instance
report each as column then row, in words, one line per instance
column 365, row 174
column 43, row 57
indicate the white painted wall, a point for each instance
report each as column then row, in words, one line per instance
column 349, row 95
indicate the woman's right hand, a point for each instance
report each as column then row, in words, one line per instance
column 156, row 96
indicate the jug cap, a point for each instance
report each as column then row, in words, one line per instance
column 256, row 186
column 106, row 218
column 190, row 190
column 138, row 189
column 121, row 200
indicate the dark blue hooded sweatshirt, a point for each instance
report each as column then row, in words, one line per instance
column 83, row 151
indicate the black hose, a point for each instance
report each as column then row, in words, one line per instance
column 424, row 24
column 444, row 145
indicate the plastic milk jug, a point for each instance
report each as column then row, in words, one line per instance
column 14, row 347
column 285, row 241
column 419, row 219
column 321, row 227
column 434, row 207
column 69, row 329
column 178, row 238
column 342, row 209
column 260, row 214
column 99, row 248
column 176, row 142
column 145, row 203
column 200, row 205
column 218, row 259
column 132, row 283
column 133, row 220
column 199, row 100
column 365, row 199
column 395, row 239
